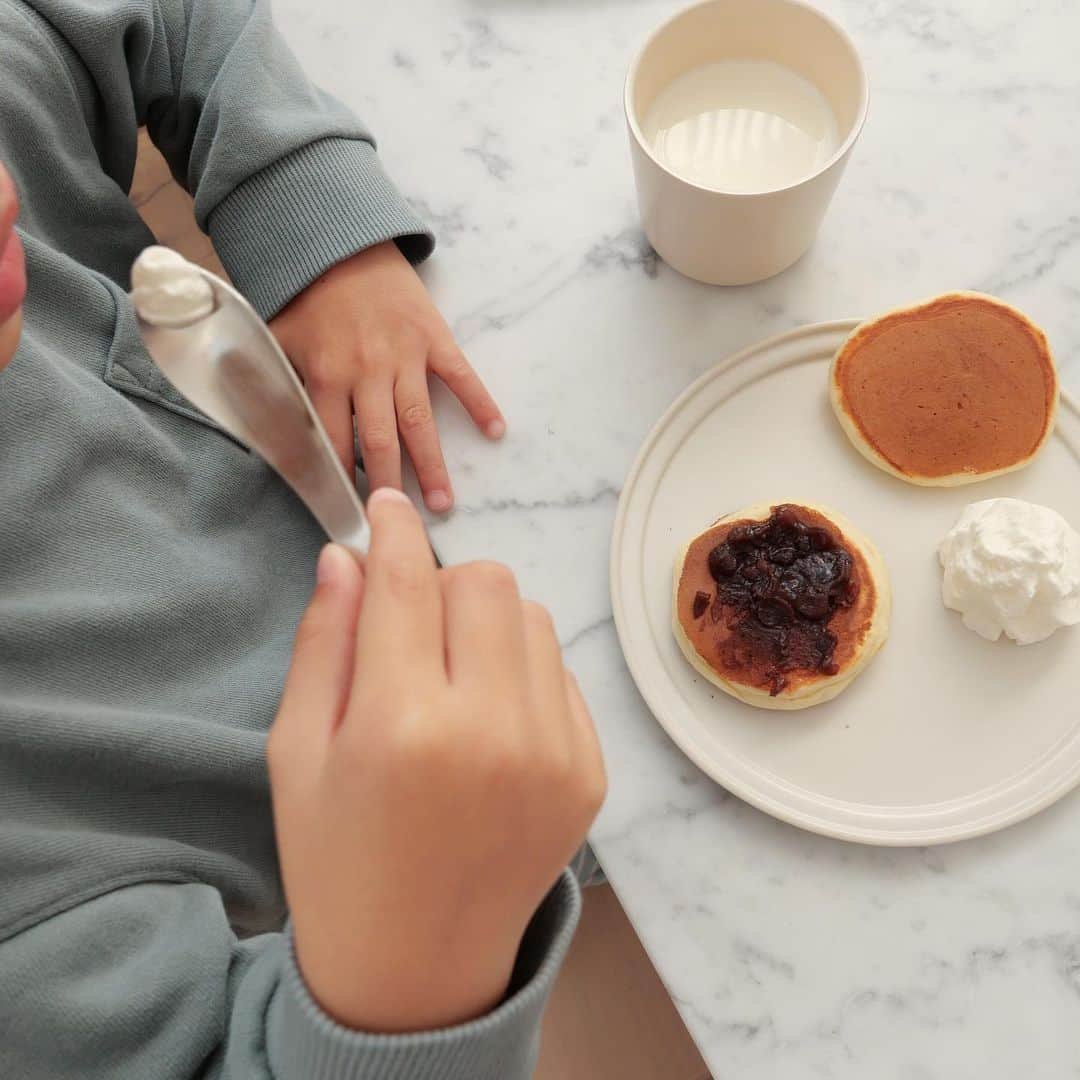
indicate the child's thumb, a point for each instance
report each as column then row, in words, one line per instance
column 320, row 676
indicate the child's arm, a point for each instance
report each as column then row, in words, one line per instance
column 426, row 797
column 148, row 982
column 287, row 183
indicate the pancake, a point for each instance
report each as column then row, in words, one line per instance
column 775, row 643
column 954, row 390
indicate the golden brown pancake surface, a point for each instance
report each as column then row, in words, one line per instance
column 734, row 643
column 959, row 387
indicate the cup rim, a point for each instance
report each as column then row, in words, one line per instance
column 838, row 154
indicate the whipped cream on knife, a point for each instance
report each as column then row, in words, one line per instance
column 167, row 290
column 1012, row 567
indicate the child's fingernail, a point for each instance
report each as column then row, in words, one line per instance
column 495, row 429
column 332, row 564
column 387, row 494
column 438, row 502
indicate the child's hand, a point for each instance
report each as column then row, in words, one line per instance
column 434, row 768
column 363, row 338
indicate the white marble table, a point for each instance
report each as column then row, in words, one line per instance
column 790, row 956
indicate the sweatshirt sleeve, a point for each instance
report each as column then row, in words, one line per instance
column 149, row 981
column 285, row 179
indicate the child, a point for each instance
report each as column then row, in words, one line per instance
column 432, row 764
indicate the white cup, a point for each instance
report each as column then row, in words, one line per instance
column 720, row 237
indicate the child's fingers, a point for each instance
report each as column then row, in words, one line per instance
column 321, row 673
column 376, row 424
column 417, row 424
column 588, row 742
column 485, row 629
column 400, row 635
column 547, row 679
column 336, row 412
column 458, row 374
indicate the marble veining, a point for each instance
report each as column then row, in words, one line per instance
column 790, row 956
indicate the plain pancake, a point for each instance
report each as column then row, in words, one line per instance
column 954, row 390
column 860, row 630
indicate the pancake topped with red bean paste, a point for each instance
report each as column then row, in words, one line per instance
column 781, row 605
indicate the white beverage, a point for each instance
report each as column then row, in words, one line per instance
column 741, row 125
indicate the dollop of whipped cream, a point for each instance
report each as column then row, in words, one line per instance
column 167, row 290
column 1012, row 566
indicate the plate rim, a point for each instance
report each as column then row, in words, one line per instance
column 989, row 823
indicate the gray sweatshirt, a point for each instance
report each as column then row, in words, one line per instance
column 152, row 573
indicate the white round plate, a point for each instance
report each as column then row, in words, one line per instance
column 945, row 735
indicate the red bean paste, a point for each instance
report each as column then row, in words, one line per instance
column 778, row 583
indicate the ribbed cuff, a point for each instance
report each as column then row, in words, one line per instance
column 284, row 226
column 305, row 1043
